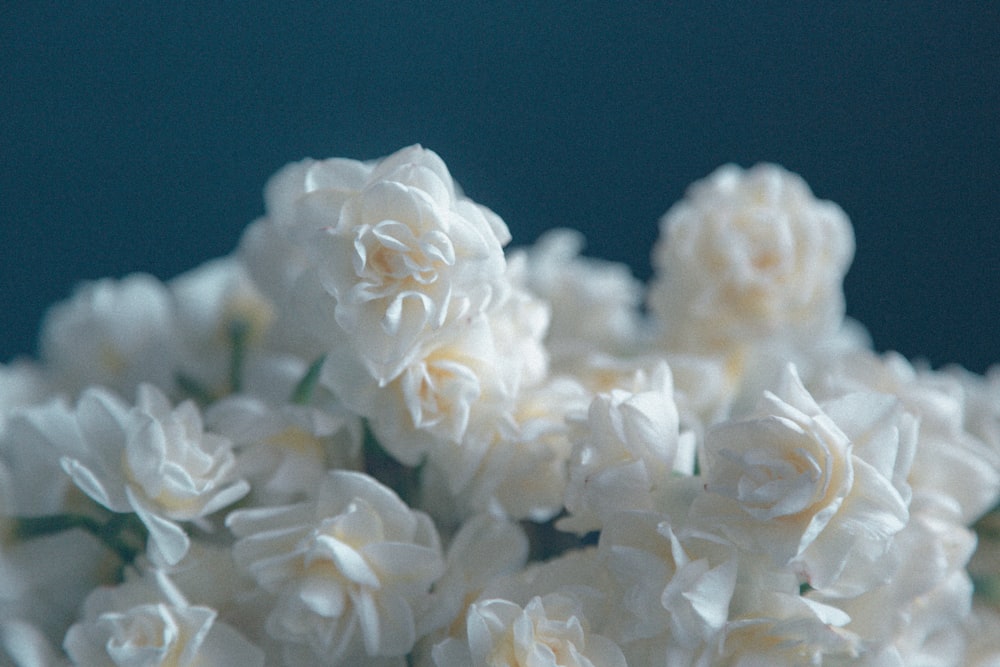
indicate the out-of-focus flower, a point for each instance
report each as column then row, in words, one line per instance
column 486, row 547
column 148, row 622
column 748, row 255
column 151, row 459
column 22, row 383
column 285, row 452
column 549, row 630
column 822, row 493
column 595, row 303
column 114, row 333
column 918, row 614
column 350, row 571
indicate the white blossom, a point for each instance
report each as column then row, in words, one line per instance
column 595, row 303
column 748, row 255
column 950, row 459
column 627, row 447
column 148, row 622
column 671, row 593
column 403, row 252
column 821, row 489
column 284, row 452
column 350, row 571
column 115, row 333
column 549, row 630
column 151, row 459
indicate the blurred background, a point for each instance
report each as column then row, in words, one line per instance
column 137, row 136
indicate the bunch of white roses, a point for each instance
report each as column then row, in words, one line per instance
column 370, row 437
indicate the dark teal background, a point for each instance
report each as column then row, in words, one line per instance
column 138, row 136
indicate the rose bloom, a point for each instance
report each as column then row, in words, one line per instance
column 749, row 255
column 404, row 255
column 350, row 572
column 152, row 459
column 821, row 489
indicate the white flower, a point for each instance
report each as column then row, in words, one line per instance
column 457, row 384
column 397, row 246
column 43, row 580
column 116, row 333
column 785, row 631
column 285, row 451
column 351, row 570
column 950, row 459
column 485, row 548
column 675, row 593
column 549, row 630
column 22, row 383
column 595, row 303
column 153, row 460
column 148, row 623
column 920, row 610
column 821, row 489
column 749, row 255
column 625, row 449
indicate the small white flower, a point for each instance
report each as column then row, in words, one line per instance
column 147, row 623
column 115, row 333
column 785, row 631
column 674, row 593
column 823, row 493
column 350, row 570
column 749, row 255
column 595, row 303
column 950, row 459
column 151, row 459
column 549, row 630
column 625, row 449
column 285, row 451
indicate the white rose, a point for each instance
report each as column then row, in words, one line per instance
column 549, row 630
column 749, row 255
column 407, row 255
column 115, row 333
column 595, row 303
column 625, row 449
column 151, row 459
column 145, row 623
column 350, row 571
column 823, row 494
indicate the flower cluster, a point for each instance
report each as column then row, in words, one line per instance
column 371, row 436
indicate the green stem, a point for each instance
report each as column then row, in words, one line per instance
column 122, row 533
column 239, row 332
column 303, row 391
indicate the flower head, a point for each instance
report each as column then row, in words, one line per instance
column 749, row 255
column 350, row 571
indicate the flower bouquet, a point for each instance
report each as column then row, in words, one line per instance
column 372, row 437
